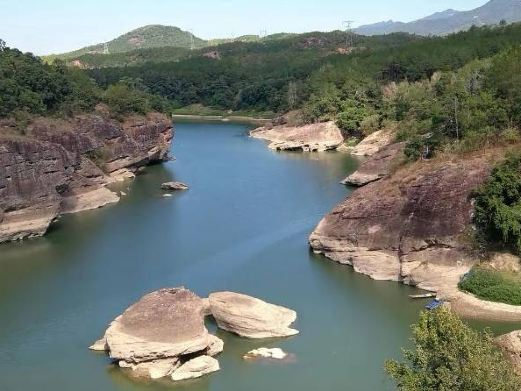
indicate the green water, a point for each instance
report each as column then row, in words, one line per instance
column 243, row 226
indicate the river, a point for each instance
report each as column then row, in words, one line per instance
column 242, row 226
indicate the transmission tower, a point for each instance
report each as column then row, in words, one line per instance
column 106, row 48
column 192, row 40
column 349, row 32
column 263, row 33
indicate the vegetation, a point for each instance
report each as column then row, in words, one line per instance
column 449, row 355
column 460, row 92
column 498, row 205
column 493, row 285
column 30, row 87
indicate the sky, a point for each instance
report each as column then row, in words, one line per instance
column 57, row 26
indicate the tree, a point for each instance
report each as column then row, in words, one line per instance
column 3, row 45
column 450, row 356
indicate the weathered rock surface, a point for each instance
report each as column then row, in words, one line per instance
column 250, row 317
column 62, row 166
column 308, row 138
column 274, row 354
column 374, row 143
column 174, row 186
column 164, row 324
column 376, row 167
column 406, row 227
column 511, row 345
column 161, row 334
column 200, row 366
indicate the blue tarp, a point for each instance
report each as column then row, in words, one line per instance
column 434, row 304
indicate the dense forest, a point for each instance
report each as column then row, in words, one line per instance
column 29, row 87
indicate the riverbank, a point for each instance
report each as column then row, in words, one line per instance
column 238, row 119
column 63, row 166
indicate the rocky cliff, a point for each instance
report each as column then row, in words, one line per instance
column 63, row 166
column 414, row 227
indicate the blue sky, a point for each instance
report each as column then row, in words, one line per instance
column 52, row 26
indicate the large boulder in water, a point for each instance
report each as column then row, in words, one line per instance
column 250, row 317
column 199, row 366
column 163, row 324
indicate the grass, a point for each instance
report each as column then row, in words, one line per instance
column 492, row 285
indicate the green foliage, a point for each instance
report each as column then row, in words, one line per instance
column 498, row 204
column 492, row 285
column 449, row 355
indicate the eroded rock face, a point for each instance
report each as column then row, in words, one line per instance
column 511, row 345
column 376, row 167
column 250, row 317
column 309, row 138
column 164, row 324
column 374, row 143
column 174, row 186
column 62, row 166
column 198, row 367
column 407, row 227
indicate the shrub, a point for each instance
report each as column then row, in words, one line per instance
column 449, row 355
column 493, row 286
column 498, row 204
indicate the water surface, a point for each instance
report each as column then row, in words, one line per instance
column 243, row 226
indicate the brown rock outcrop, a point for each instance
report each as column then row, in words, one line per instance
column 374, row 143
column 308, row 138
column 406, row 227
column 376, row 167
column 511, row 346
column 62, row 166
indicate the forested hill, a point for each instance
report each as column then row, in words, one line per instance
column 286, row 74
column 450, row 21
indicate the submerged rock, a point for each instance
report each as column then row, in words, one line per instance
column 155, row 369
column 308, row 138
column 274, row 354
column 174, row 186
column 249, row 317
column 200, row 366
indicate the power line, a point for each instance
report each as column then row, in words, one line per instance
column 349, row 32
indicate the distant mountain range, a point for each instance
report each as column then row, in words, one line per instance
column 450, row 21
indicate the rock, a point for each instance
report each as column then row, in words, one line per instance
column 99, row 346
column 249, row 317
column 155, row 369
column 168, row 323
column 62, row 166
column 376, row 167
column 511, row 345
column 374, row 142
column 407, row 227
column 195, row 368
column 275, row 354
column 308, row 138
column 174, row 186
column 216, row 346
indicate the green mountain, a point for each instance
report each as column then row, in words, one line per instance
column 450, row 21
column 152, row 36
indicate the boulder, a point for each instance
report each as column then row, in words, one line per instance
column 511, row 345
column 197, row 367
column 174, row 186
column 374, row 143
column 168, row 323
column 155, row 369
column 376, row 167
column 215, row 347
column 274, row 354
column 249, row 317
column 308, row 138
